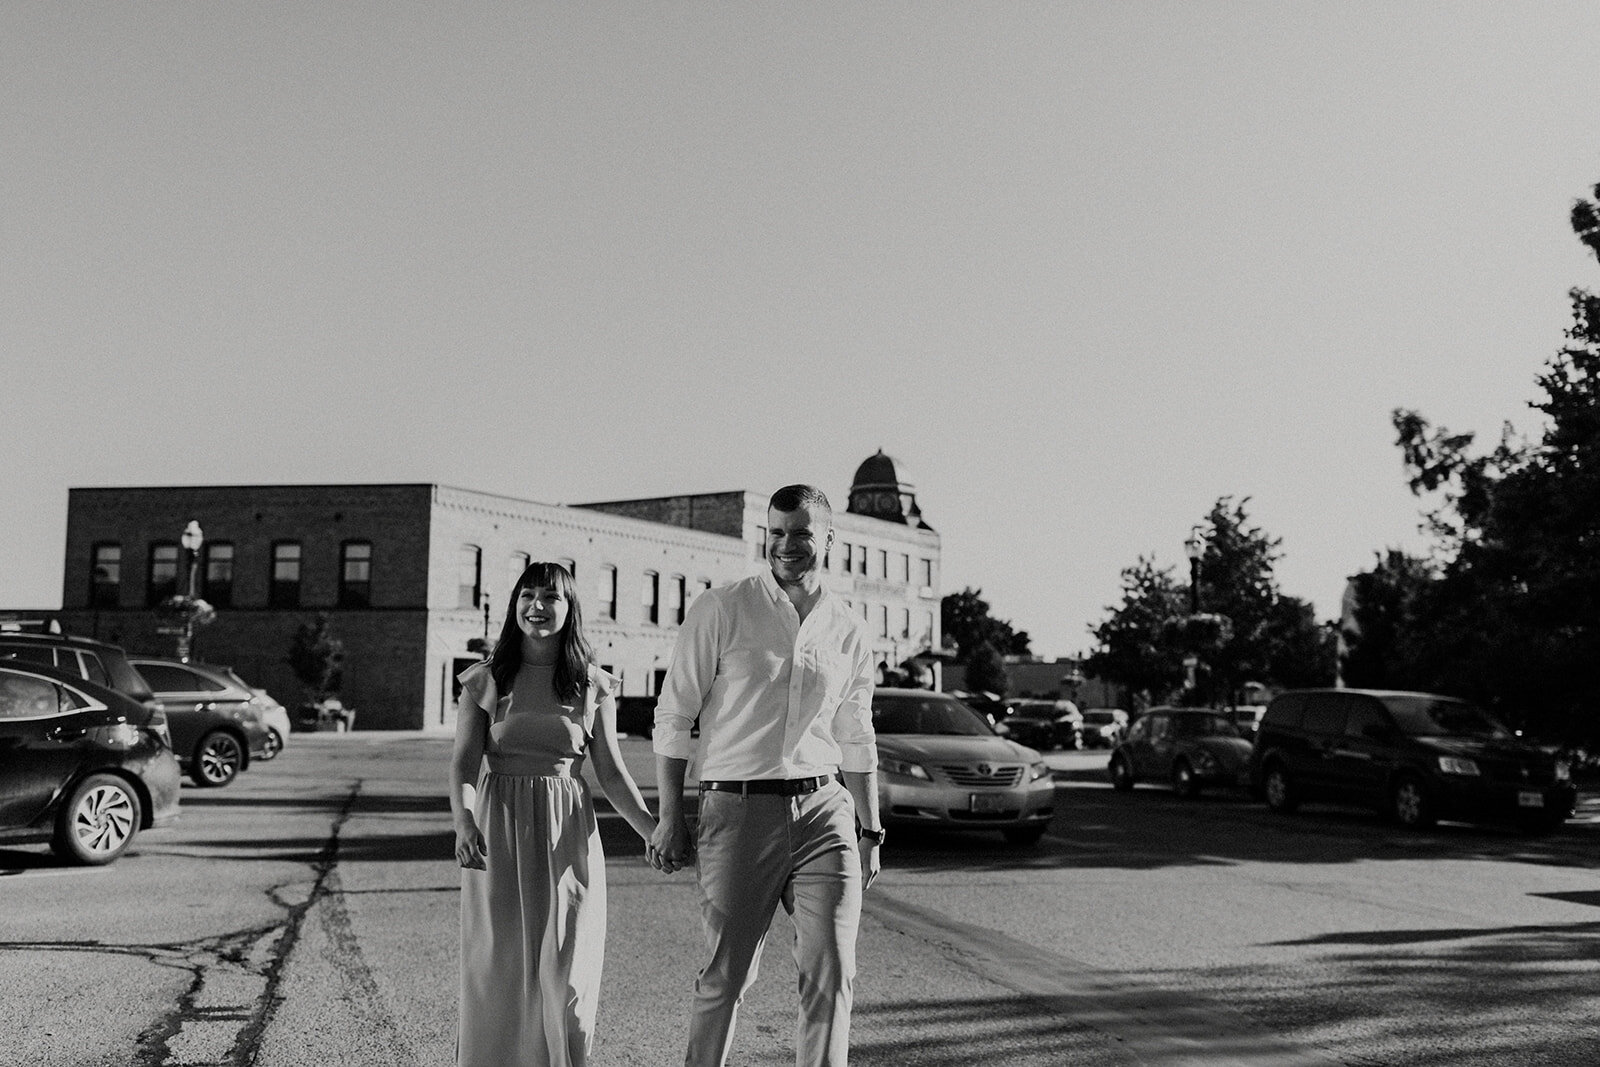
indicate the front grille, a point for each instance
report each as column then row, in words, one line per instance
column 999, row 777
column 1517, row 771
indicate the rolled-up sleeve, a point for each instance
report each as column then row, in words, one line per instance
column 852, row 723
column 689, row 677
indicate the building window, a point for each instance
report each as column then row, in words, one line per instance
column 883, row 564
column 905, row 622
column 905, row 569
column 927, row 573
column 925, row 627
column 608, row 592
column 846, row 556
column 677, row 598
column 861, row 560
column 355, row 574
column 284, row 592
column 217, row 576
column 105, row 576
column 761, row 542
column 469, row 576
column 515, row 565
column 571, row 565
column 650, row 596
column 163, row 572
column 883, row 620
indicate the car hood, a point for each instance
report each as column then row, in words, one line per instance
column 1477, row 746
column 942, row 747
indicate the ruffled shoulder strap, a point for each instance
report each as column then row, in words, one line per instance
column 601, row 685
column 478, row 681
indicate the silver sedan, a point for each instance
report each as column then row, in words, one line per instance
column 940, row 764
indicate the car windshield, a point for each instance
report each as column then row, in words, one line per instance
column 1036, row 711
column 1202, row 726
column 1098, row 718
column 926, row 715
column 1440, row 717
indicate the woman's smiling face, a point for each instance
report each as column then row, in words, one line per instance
column 541, row 611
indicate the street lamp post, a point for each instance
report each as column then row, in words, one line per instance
column 1194, row 547
column 483, row 595
column 191, row 540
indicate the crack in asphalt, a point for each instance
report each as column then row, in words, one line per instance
column 258, row 956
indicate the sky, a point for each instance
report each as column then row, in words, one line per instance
column 1080, row 268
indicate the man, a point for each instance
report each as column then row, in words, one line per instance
column 778, row 672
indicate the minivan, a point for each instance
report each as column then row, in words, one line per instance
column 1416, row 756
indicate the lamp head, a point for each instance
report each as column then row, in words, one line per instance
column 192, row 537
column 1195, row 546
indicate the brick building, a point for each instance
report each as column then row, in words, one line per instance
column 409, row 574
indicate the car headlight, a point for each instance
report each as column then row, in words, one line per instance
column 1457, row 765
column 903, row 768
column 1038, row 770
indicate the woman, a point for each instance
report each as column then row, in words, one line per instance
column 533, row 888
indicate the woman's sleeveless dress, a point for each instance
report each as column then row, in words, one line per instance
column 533, row 924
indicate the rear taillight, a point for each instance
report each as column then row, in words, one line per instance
column 158, row 721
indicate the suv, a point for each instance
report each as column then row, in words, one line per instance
column 212, row 747
column 1417, row 756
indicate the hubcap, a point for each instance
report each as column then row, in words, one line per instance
column 104, row 819
column 219, row 760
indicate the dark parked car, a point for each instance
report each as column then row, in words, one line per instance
column 218, row 724
column 1042, row 724
column 82, row 766
column 1417, row 756
column 1189, row 747
column 1102, row 727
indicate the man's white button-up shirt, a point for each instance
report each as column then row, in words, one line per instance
column 776, row 698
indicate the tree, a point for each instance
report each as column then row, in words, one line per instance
column 1512, row 618
column 317, row 658
column 964, row 618
column 986, row 671
column 1130, row 648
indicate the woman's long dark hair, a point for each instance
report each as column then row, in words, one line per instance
column 572, row 662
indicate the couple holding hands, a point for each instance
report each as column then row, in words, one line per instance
column 778, row 672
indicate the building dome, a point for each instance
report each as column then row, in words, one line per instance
column 878, row 491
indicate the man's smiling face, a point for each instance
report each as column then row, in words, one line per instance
column 797, row 540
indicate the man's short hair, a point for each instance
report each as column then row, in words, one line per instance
column 795, row 497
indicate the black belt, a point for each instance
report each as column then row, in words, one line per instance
column 784, row 787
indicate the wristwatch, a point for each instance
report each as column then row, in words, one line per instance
column 875, row 836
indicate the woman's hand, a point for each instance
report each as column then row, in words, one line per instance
column 469, row 844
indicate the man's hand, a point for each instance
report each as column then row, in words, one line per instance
column 871, row 862
column 670, row 848
column 470, row 847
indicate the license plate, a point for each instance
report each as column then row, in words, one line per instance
column 1529, row 799
column 986, row 802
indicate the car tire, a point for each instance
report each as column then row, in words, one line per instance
column 1410, row 805
column 217, row 760
column 1121, row 774
column 272, row 746
column 1023, row 836
column 98, row 822
column 1184, row 782
column 1278, row 789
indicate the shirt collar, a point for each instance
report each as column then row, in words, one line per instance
column 769, row 582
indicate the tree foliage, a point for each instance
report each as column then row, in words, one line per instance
column 1246, row 629
column 986, row 671
column 964, row 618
column 317, row 657
column 1509, row 611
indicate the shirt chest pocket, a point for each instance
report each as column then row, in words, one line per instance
column 828, row 671
column 753, row 665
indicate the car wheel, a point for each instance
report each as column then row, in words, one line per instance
column 1121, row 774
column 1184, row 783
column 272, row 746
column 1023, row 835
column 217, row 759
column 1410, row 805
column 98, row 821
column 1279, row 789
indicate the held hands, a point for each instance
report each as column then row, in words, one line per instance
column 469, row 844
column 670, row 849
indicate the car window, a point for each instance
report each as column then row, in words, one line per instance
column 1426, row 716
column 1160, row 727
column 171, row 678
column 25, row 697
column 930, row 715
column 1202, row 726
column 31, row 654
column 93, row 669
column 1036, row 711
column 1325, row 714
column 1363, row 714
column 1287, row 710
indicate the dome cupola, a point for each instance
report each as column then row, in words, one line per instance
column 878, row 492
